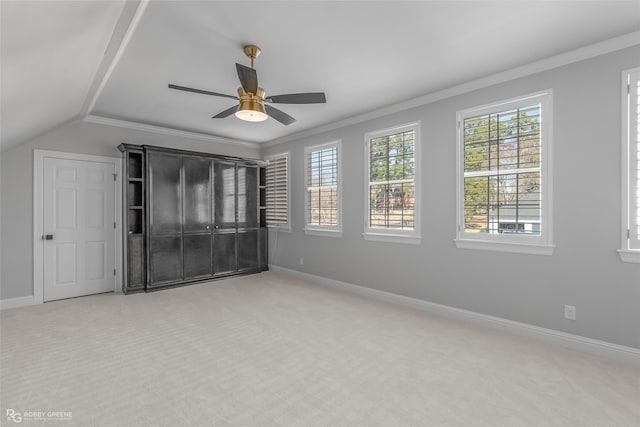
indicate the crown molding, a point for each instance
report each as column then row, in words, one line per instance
column 580, row 54
column 167, row 131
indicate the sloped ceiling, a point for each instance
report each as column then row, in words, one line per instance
column 50, row 52
column 58, row 64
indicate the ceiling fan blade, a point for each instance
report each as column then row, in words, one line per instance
column 226, row 113
column 279, row 115
column 298, row 98
column 248, row 78
column 204, row 92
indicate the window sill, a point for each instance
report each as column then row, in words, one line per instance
column 286, row 229
column 392, row 238
column 321, row 232
column 520, row 248
column 627, row 255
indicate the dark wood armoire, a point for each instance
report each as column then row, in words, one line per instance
column 190, row 217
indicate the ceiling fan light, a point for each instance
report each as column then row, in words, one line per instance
column 251, row 110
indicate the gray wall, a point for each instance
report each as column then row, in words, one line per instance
column 17, row 186
column 584, row 271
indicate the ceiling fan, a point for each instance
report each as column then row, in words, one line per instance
column 254, row 104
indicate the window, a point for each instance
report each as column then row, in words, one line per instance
column 391, row 184
column 630, row 250
column 322, row 198
column 504, row 170
column 277, row 189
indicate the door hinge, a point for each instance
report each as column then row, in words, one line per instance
column 114, row 271
column 114, row 224
column 115, row 176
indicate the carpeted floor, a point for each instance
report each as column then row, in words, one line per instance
column 270, row 350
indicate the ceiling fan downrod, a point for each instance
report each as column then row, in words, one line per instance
column 252, row 51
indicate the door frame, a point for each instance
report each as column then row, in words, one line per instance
column 38, row 214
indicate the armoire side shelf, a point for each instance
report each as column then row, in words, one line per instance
column 134, row 216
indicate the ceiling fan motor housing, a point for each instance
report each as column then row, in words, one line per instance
column 251, row 106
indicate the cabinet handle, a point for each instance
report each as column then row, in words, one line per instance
column 207, row 227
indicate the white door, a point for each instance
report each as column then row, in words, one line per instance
column 78, row 225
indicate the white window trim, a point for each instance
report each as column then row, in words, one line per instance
column 283, row 227
column 320, row 230
column 627, row 254
column 394, row 236
column 536, row 245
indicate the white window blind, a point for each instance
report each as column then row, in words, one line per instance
column 277, row 190
column 323, row 198
column 632, row 152
column 504, row 191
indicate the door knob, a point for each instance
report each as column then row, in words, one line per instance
column 47, row 237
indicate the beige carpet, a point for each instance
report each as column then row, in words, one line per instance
column 270, row 350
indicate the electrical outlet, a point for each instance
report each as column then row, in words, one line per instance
column 570, row 312
column 301, row 261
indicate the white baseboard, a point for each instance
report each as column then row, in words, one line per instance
column 16, row 302
column 589, row 345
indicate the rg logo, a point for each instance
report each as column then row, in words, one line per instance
column 14, row 416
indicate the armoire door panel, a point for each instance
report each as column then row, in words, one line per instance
column 165, row 193
column 247, row 196
column 136, row 262
column 197, row 194
column 197, row 256
column 248, row 250
column 224, row 204
column 165, row 259
column 263, row 236
column 224, row 253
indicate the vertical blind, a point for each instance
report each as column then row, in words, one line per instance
column 277, row 190
column 322, row 187
column 502, row 172
column 392, row 181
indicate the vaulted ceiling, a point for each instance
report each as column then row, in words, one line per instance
column 111, row 61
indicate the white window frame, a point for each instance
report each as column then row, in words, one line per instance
column 630, row 240
column 393, row 235
column 537, row 245
column 286, row 226
column 324, row 230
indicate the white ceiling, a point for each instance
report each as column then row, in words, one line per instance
column 50, row 52
column 363, row 55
